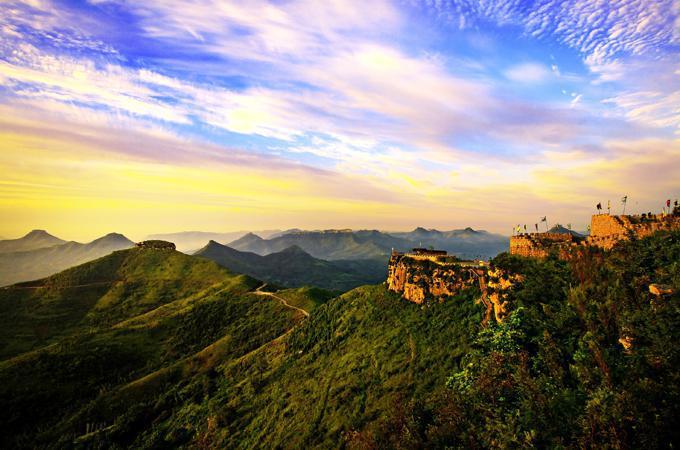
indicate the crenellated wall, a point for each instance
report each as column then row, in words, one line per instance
column 606, row 231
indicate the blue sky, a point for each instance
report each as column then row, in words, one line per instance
column 340, row 113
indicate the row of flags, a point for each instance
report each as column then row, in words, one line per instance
column 666, row 210
column 624, row 201
column 518, row 228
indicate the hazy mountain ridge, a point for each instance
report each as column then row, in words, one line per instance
column 33, row 240
column 191, row 241
column 367, row 244
column 294, row 267
column 42, row 262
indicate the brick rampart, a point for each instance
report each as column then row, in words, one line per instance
column 606, row 232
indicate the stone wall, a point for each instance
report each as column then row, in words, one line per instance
column 539, row 245
column 606, row 232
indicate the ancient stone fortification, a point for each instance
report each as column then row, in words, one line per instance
column 421, row 278
column 605, row 232
column 156, row 245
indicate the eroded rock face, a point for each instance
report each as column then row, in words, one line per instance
column 660, row 290
column 498, row 283
column 419, row 281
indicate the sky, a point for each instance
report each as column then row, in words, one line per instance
column 157, row 116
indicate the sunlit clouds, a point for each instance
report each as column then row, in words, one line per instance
column 229, row 115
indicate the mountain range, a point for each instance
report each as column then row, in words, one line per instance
column 373, row 244
column 31, row 264
column 294, row 267
column 191, row 241
column 32, row 241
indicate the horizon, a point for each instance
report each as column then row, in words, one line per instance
column 580, row 229
column 153, row 117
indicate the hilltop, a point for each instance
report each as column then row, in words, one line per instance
column 34, row 240
column 136, row 314
column 293, row 267
column 33, row 264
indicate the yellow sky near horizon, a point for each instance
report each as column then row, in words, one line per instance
column 81, row 188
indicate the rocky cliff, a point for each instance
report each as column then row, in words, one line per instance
column 421, row 280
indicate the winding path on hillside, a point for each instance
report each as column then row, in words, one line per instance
column 285, row 303
column 259, row 291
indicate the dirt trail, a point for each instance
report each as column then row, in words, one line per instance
column 258, row 291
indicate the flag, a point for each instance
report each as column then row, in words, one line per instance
column 609, row 204
column 536, row 225
column 599, row 206
column 624, row 199
column 544, row 219
column 668, row 203
column 525, row 227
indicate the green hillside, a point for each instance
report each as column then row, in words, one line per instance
column 134, row 314
column 229, row 369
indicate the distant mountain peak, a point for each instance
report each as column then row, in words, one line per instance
column 38, row 234
column 293, row 250
column 562, row 230
column 469, row 230
column 113, row 238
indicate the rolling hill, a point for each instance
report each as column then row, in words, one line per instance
column 134, row 314
column 34, row 240
column 293, row 267
column 30, row 265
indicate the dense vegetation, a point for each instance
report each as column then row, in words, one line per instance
column 226, row 366
column 555, row 373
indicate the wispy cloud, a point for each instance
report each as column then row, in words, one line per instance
column 368, row 109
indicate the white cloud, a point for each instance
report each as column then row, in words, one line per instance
column 528, row 73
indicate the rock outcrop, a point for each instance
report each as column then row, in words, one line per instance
column 156, row 245
column 421, row 278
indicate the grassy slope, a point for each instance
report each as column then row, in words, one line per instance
column 151, row 313
column 100, row 293
column 341, row 370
